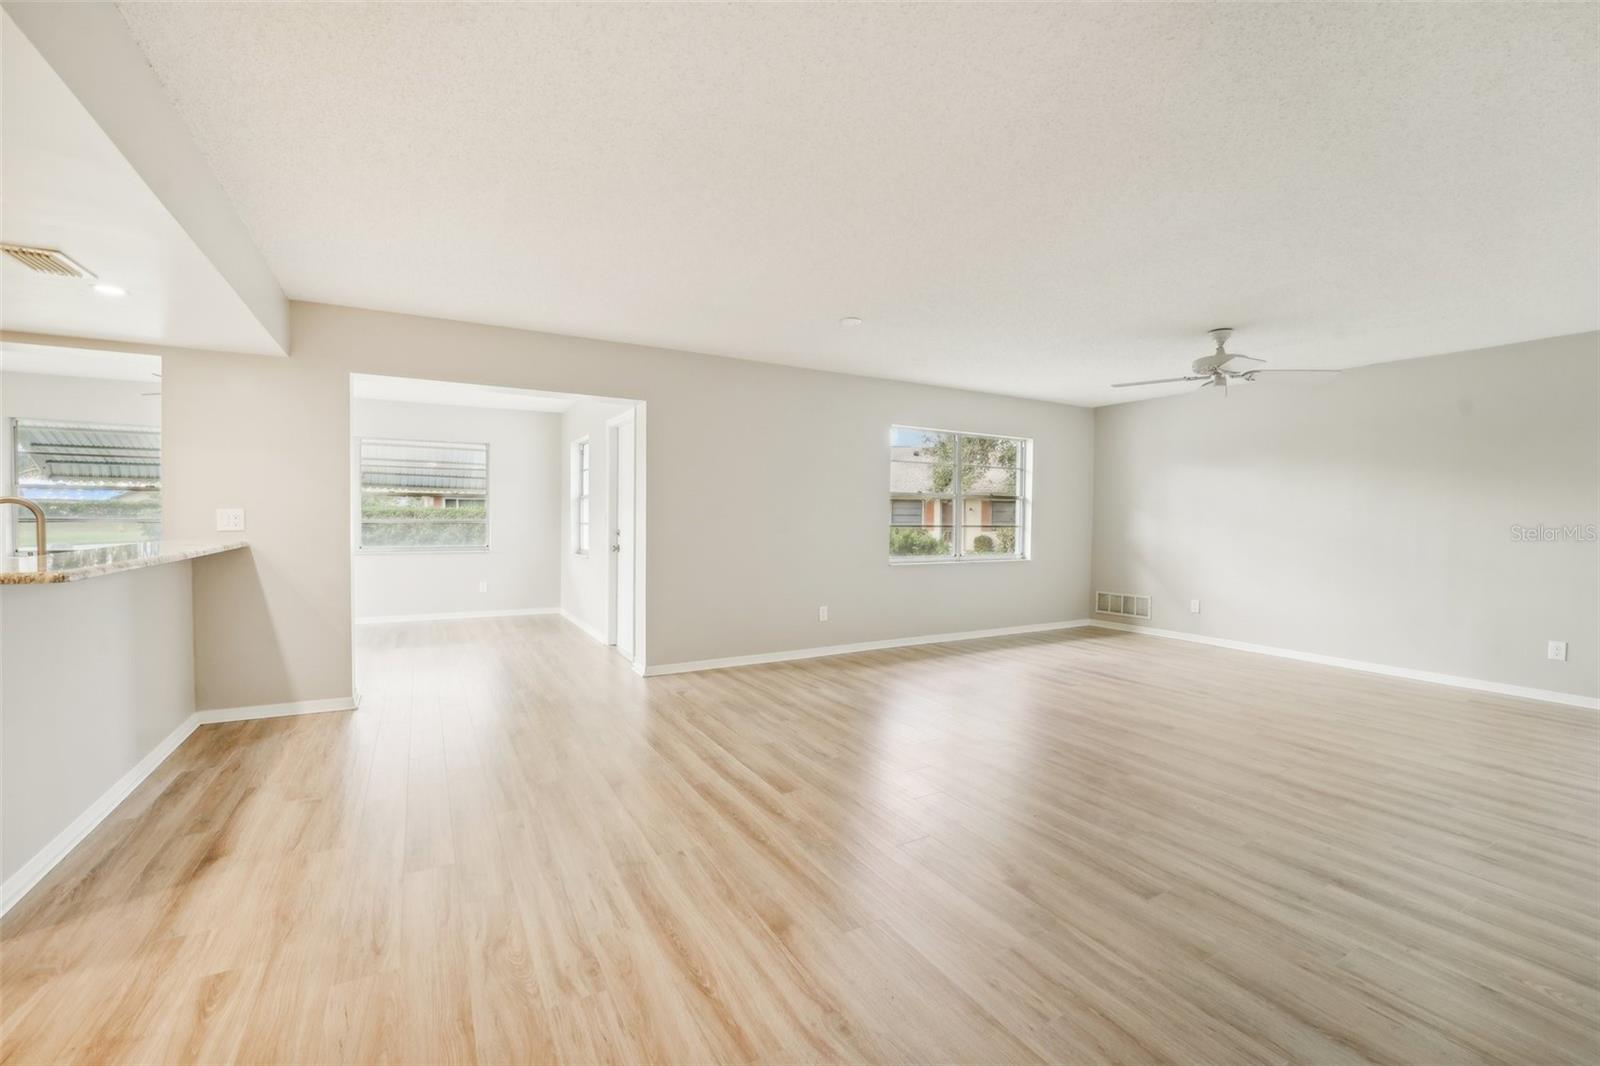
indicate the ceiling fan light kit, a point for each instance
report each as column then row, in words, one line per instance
column 1214, row 370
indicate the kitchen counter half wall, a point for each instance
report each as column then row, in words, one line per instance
column 97, row 562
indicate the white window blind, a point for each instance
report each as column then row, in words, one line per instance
column 580, row 497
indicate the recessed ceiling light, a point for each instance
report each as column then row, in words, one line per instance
column 851, row 321
column 110, row 290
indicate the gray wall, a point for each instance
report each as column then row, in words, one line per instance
column 765, row 496
column 93, row 676
column 1370, row 517
column 522, row 565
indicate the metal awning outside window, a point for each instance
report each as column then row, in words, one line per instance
column 77, row 455
column 420, row 468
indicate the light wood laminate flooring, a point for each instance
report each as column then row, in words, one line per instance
column 1080, row 846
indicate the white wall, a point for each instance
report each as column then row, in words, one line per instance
column 1371, row 517
column 94, row 675
column 585, row 579
column 765, row 496
column 73, row 399
column 76, row 399
column 522, row 566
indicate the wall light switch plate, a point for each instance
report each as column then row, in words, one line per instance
column 230, row 519
column 822, row 614
column 483, row 586
column 1557, row 651
column 1194, row 606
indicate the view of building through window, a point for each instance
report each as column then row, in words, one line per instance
column 933, row 513
column 424, row 494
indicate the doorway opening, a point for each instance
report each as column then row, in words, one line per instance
column 478, row 502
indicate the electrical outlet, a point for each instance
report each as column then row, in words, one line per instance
column 1557, row 650
column 822, row 614
column 483, row 586
column 230, row 519
column 1194, row 606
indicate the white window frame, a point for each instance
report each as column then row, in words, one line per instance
column 424, row 549
column 582, row 494
column 1024, row 524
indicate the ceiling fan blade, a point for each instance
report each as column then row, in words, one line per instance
column 1305, row 375
column 1235, row 355
column 1157, row 381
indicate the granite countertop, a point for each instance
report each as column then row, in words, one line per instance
column 96, row 562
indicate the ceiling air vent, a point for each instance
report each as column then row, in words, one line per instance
column 45, row 261
column 1128, row 606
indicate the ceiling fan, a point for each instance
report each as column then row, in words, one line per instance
column 1213, row 369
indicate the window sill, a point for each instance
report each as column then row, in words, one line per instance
column 423, row 550
column 947, row 561
column 29, row 553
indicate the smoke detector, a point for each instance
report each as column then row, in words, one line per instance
column 49, row 261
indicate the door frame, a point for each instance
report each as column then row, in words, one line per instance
column 613, row 461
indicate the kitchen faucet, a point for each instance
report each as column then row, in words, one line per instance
column 38, row 528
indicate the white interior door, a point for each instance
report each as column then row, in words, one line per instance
column 622, row 535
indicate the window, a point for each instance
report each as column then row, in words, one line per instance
column 580, row 497
column 98, row 485
column 422, row 495
column 934, row 514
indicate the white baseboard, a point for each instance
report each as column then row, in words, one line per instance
column 585, row 626
column 34, row 870
column 850, row 649
column 278, row 710
column 1477, row 684
column 451, row 616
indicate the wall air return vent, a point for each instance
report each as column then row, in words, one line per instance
column 1125, row 604
column 45, row 261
